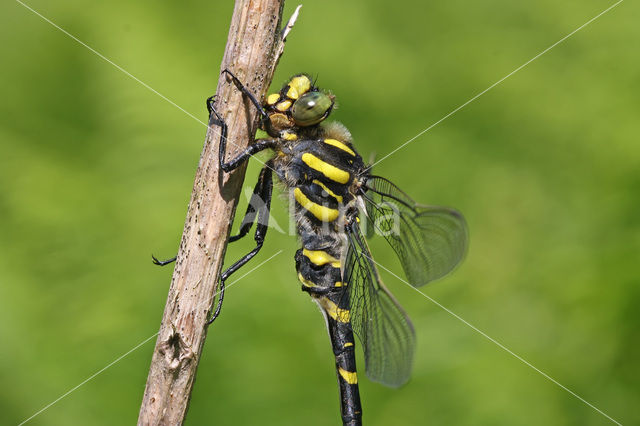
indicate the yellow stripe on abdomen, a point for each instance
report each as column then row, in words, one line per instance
column 349, row 376
column 305, row 282
column 321, row 257
column 322, row 213
column 338, row 314
column 328, row 170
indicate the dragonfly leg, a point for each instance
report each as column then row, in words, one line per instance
column 247, row 222
column 265, row 182
column 257, row 146
column 163, row 262
column 255, row 203
column 263, row 114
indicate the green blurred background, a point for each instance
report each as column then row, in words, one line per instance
column 96, row 172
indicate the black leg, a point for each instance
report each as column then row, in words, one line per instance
column 163, row 262
column 265, row 192
column 255, row 204
column 257, row 146
column 248, row 94
column 219, row 305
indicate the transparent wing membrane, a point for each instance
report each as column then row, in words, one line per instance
column 430, row 241
column 385, row 331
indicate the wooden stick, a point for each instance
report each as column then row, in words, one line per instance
column 254, row 47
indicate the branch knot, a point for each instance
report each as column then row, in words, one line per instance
column 176, row 352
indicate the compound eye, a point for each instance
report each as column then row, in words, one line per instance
column 311, row 108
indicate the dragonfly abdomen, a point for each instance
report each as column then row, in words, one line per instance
column 319, row 271
column 343, row 344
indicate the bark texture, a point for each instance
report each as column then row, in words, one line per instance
column 254, row 46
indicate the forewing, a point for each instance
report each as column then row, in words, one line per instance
column 385, row 331
column 429, row 240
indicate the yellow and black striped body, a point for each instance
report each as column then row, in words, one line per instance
column 322, row 173
column 328, row 183
column 320, row 274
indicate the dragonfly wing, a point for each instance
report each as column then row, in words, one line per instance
column 429, row 240
column 385, row 331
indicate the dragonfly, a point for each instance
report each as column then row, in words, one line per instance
column 338, row 205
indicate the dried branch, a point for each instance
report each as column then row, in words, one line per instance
column 253, row 49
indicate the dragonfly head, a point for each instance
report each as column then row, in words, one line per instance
column 312, row 108
column 298, row 104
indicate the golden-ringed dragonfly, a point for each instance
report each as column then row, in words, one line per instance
column 335, row 196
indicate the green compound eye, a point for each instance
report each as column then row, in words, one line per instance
column 311, row 108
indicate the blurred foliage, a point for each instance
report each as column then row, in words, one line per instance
column 96, row 173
